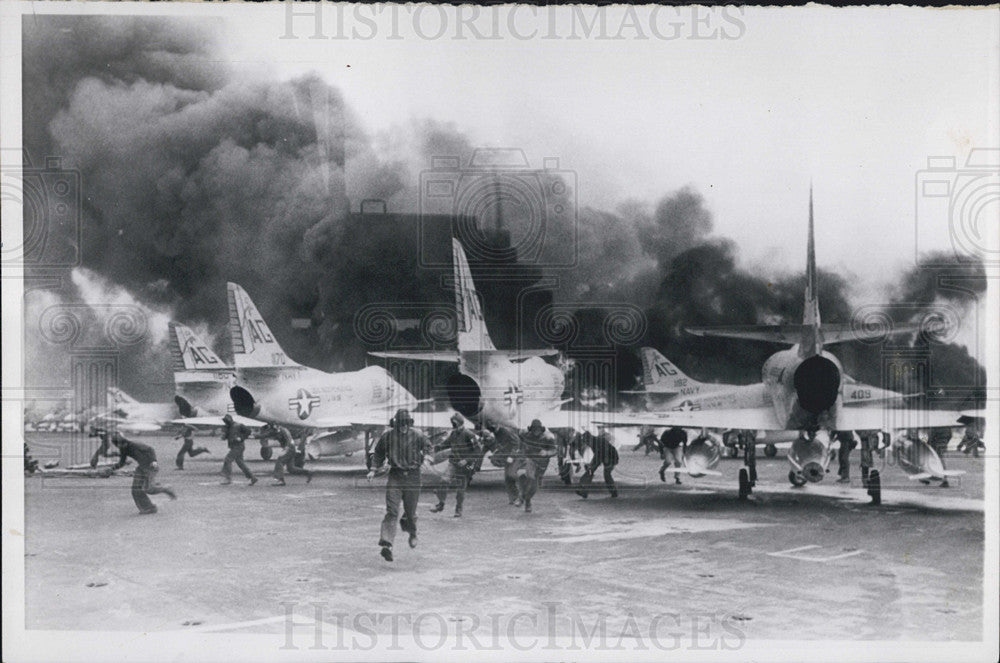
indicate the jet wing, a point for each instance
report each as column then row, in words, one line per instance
column 877, row 418
column 578, row 420
column 218, row 422
column 125, row 424
column 381, row 417
column 742, row 418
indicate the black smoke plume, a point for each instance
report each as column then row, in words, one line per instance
column 195, row 173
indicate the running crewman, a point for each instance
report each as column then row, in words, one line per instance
column 673, row 444
column 605, row 454
column 404, row 449
column 144, row 478
column 538, row 446
column 289, row 450
column 234, row 434
column 461, row 464
column 187, row 449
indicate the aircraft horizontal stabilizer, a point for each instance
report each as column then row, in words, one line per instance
column 521, row 355
column 790, row 334
column 451, row 357
column 845, row 333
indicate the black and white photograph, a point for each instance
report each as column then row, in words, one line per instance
column 340, row 332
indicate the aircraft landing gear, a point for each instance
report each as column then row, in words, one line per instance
column 745, row 488
column 748, row 473
column 770, row 450
column 875, row 487
column 368, row 448
column 796, row 479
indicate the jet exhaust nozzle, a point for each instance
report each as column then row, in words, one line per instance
column 464, row 394
column 185, row 407
column 244, row 402
column 817, row 384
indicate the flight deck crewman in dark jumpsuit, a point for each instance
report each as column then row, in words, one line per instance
column 286, row 461
column 404, row 449
column 103, row 449
column 235, row 434
column 461, row 464
column 188, row 447
column 605, row 454
column 673, row 444
column 537, row 448
column 144, row 478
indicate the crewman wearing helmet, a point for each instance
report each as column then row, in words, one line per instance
column 404, row 449
column 461, row 464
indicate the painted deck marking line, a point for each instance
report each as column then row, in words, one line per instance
column 327, row 627
column 793, row 553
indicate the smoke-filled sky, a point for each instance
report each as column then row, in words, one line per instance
column 214, row 151
column 854, row 100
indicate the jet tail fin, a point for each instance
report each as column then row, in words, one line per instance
column 118, row 397
column 189, row 353
column 659, row 374
column 811, row 341
column 254, row 346
column 809, row 335
column 471, row 326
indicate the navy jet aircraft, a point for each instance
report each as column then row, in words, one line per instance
column 802, row 389
column 506, row 388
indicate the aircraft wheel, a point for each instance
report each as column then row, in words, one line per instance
column 796, row 479
column 770, row 450
column 875, row 487
column 266, row 452
column 744, row 483
column 733, row 451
